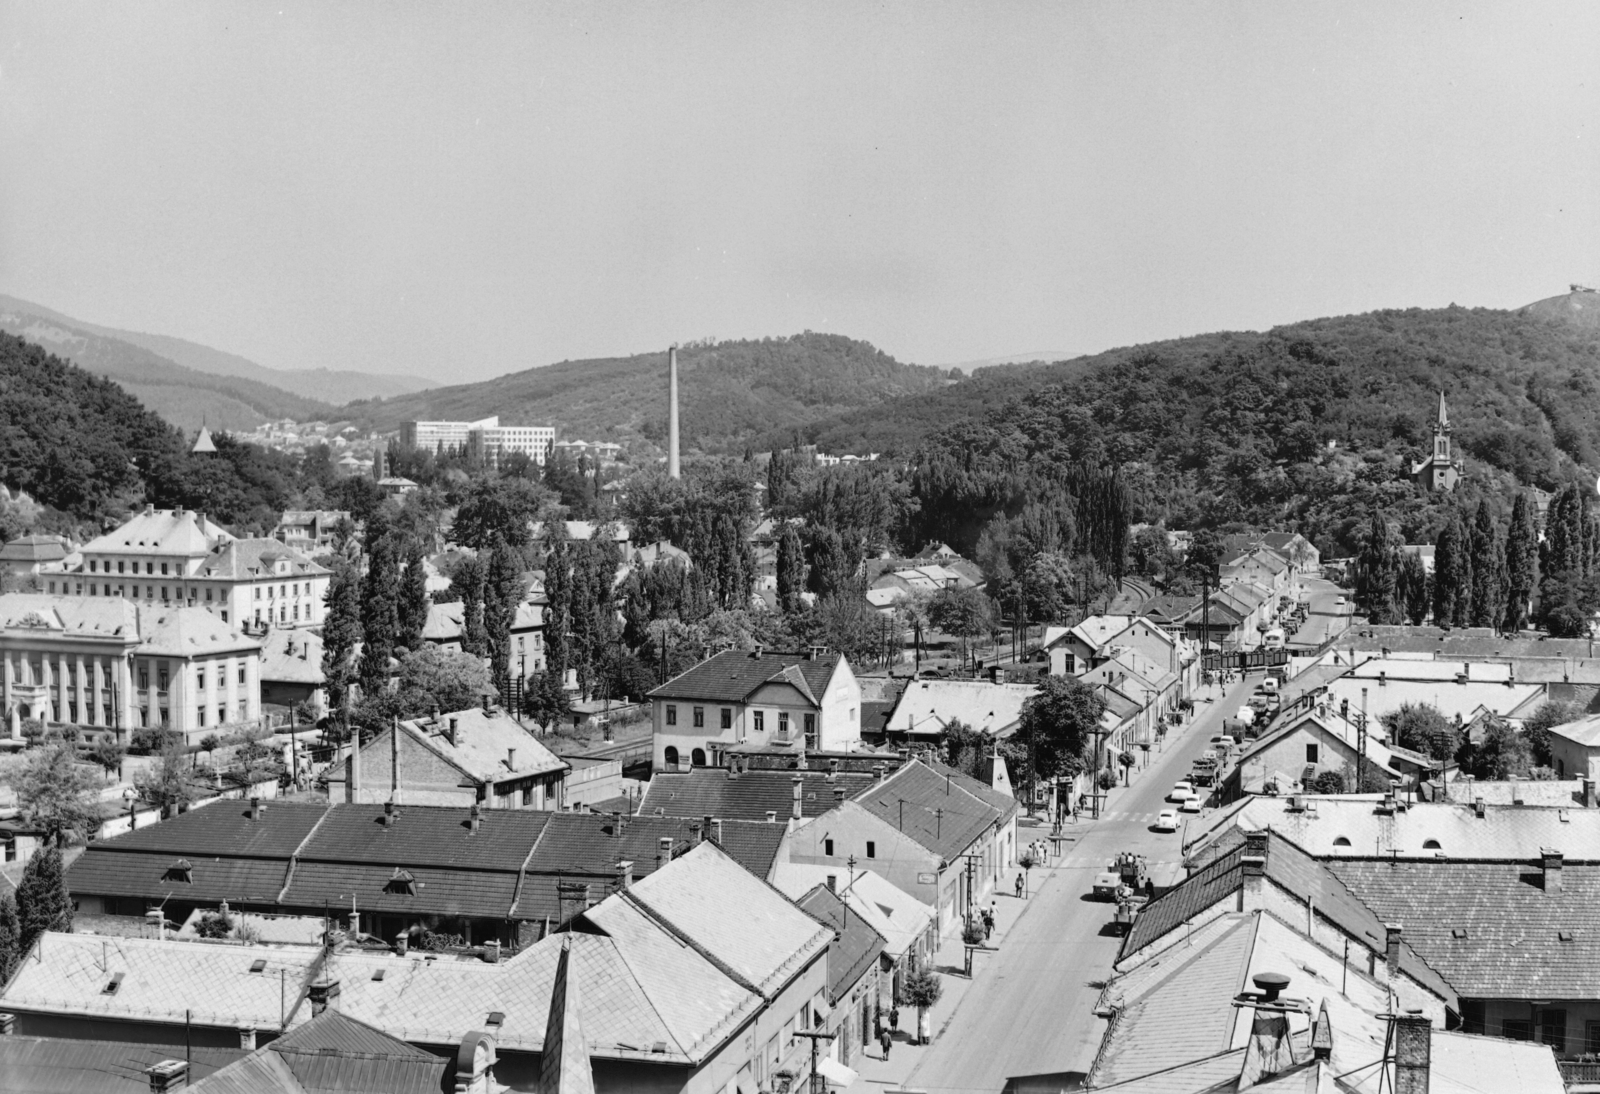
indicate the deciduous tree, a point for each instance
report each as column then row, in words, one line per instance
column 56, row 793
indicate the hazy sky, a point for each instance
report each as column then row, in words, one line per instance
column 461, row 190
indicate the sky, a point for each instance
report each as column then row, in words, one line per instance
column 458, row 191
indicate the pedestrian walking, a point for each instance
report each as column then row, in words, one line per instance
column 884, row 1041
column 988, row 924
column 894, row 1017
column 1019, row 887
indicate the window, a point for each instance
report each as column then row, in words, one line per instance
column 200, row 678
column 161, row 679
column 699, row 717
column 121, row 567
column 727, row 717
column 258, row 593
column 761, row 721
column 297, row 613
column 827, row 847
column 241, row 673
column 1430, row 845
column 149, row 567
column 872, row 849
column 144, row 679
column 783, row 725
column 283, row 615
column 672, row 714
column 1341, row 841
column 164, row 593
column 52, row 586
column 93, row 565
column 1311, row 752
column 222, row 715
column 1553, row 1029
column 1516, row 1029
column 698, row 757
column 527, row 794
column 202, row 713
column 208, row 595
column 811, row 731
column 163, row 567
column 92, row 590
column 670, row 757
column 1591, row 1033
column 283, row 590
column 270, row 595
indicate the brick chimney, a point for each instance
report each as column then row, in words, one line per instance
column 624, row 874
column 1550, row 860
column 454, row 731
column 389, row 816
column 167, row 1075
column 322, row 993
column 833, row 770
column 1252, row 895
column 247, row 1038
column 716, row 829
column 1391, row 946
column 255, row 809
column 1588, row 793
column 474, row 818
column 1413, row 1052
column 705, row 827
column 488, row 703
column 799, row 786
column 663, row 851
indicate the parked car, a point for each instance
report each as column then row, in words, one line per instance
column 1106, row 886
column 1167, row 821
column 1181, row 791
column 1191, row 804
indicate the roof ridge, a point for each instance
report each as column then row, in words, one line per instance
column 644, row 994
column 294, row 856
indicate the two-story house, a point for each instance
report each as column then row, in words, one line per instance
column 757, row 698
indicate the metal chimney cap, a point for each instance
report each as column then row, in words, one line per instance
column 1271, row 984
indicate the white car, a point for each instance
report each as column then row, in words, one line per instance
column 1181, row 791
column 1191, row 804
column 1167, row 821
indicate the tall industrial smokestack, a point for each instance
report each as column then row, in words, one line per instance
column 672, row 413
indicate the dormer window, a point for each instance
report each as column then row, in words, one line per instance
column 181, row 872
column 401, row 883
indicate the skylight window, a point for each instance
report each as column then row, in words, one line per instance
column 258, row 965
column 497, row 1018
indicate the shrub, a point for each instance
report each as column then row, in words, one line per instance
column 213, row 925
column 1328, row 782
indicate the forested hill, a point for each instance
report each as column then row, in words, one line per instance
column 731, row 393
column 183, row 396
column 1581, row 309
column 1308, row 426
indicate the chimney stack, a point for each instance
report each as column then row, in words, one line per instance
column 1270, row 1050
column 167, row 1075
column 511, row 759
column 488, row 704
column 673, row 469
column 1391, row 946
column 833, row 770
column 625, row 874
column 663, row 851
column 1478, row 806
column 1253, row 893
column 1413, row 1052
column 716, row 829
column 772, row 816
column 454, row 729
column 8, row 1024
column 705, row 827
column 474, row 818
column 388, row 813
column 247, row 1038
column 1550, row 859
column 255, row 809
column 799, row 790
column 322, row 994
column 1588, row 793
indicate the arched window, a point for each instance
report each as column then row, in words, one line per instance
column 1430, row 845
column 698, row 757
column 1341, row 842
column 670, row 757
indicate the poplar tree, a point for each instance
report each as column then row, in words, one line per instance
column 42, row 900
column 558, row 590
column 791, row 571
column 1413, row 589
column 380, row 609
column 1488, row 565
column 11, row 950
column 1377, row 572
column 502, row 592
column 1522, row 563
column 1449, row 571
column 414, row 600
column 341, row 630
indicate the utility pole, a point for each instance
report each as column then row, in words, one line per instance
column 819, row 1085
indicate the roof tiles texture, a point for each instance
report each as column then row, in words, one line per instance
column 936, row 811
column 488, row 747
column 732, row 676
column 751, row 795
column 58, row 1065
column 855, row 947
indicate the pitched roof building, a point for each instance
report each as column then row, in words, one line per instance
column 459, row 758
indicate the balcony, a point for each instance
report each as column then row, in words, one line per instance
column 1584, row 1070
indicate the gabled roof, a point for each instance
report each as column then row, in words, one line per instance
column 67, row 1065
column 900, row 918
column 1097, row 630
column 292, row 657
column 160, row 981
column 1585, row 731
column 750, row 795
column 710, row 901
column 856, row 946
column 256, row 559
column 1169, row 610
column 333, row 1052
column 1510, row 945
column 935, row 811
column 733, row 676
column 927, row 706
column 223, row 827
column 161, row 532
column 486, row 745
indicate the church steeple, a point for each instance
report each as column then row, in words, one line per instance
column 1441, row 470
column 1443, row 425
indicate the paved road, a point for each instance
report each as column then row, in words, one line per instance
column 1030, row 1010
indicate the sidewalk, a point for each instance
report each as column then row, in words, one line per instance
column 950, row 962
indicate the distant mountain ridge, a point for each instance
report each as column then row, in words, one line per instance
column 732, row 394
column 1581, row 308
column 331, row 386
column 1036, row 357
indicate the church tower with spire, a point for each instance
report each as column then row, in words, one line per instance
column 1441, row 470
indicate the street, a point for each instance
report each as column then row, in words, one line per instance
column 1029, row 1010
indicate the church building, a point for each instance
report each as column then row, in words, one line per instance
column 1441, row 470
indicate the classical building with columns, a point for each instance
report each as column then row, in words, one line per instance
column 108, row 663
column 168, row 558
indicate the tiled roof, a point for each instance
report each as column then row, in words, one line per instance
column 292, row 657
column 732, row 676
column 223, row 828
column 160, row 981
column 61, row 1065
column 98, row 616
column 426, row 835
column 1348, row 826
column 188, row 632
column 1293, row 870
column 160, row 531
column 927, row 706
column 936, row 812
column 1450, row 698
column 998, row 799
column 1511, row 946
column 856, row 946
column 471, row 893
column 900, row 918
column 249, row 559
column 34, row 549
column 714, row 792
column 1170, row 609
column 1564, row 793
column 710, row 900
column 1585, row 731
column 486, row 745
column 153, row 875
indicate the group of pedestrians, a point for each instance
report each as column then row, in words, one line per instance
column 887, row 1029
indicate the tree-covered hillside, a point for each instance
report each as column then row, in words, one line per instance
column 731, row 393
column 1308, row 426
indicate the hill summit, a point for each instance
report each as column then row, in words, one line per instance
column 1580, row 307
